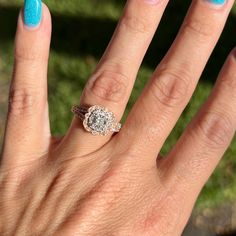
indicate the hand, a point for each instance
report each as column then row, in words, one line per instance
column 115, row 185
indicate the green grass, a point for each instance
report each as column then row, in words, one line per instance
column 82, row 29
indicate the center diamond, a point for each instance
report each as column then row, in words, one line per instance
column 99, row 120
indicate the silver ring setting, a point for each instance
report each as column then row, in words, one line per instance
column 97, row 120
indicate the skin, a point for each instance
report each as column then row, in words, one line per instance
column 115, row 185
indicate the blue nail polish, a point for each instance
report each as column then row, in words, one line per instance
column 217, row 2
column 32, row 12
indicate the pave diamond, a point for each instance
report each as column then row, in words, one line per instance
column 99, row 120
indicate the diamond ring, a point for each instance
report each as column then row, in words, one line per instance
column 97, row 120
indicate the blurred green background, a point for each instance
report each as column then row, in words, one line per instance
column 81, row 31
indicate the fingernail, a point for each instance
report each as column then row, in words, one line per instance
column 217, row 2
column 32, row 13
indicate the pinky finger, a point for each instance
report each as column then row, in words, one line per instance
column 195, row 156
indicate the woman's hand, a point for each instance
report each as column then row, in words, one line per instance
column 115, row 185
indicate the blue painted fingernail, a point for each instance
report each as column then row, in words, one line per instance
column 217, row 2
column 32, row 12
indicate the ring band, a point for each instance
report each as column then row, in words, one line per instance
column 97, row 120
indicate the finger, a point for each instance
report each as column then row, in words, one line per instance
column 175, row 79
column 27, row 133
column 112, row 82
column 193, row 159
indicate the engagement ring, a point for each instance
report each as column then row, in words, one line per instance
column 97, row 120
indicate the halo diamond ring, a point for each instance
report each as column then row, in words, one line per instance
column 97, row 120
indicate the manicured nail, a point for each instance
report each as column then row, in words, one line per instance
column 32, row 13
column 217, row 2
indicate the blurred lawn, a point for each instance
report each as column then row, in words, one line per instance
column 81, row 31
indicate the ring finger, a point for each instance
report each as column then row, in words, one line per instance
column 112, row 82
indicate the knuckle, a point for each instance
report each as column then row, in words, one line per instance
column 25, row 54
column 134, row 24
column 108, row 85
column 22, row 101
column 170, row 88
column 228, row 84
column 216, row 128
column 198, row 28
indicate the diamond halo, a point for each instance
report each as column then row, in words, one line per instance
column 100, row 121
